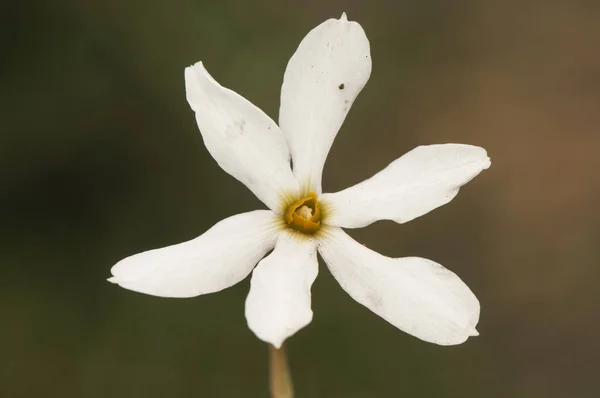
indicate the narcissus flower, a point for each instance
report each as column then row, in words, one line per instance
column 321, row 82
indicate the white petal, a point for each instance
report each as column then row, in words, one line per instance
column 414, row 294
column 221, row 257
column 425, row 178
column 244, row 141
column 278, row 304
column 330, row 67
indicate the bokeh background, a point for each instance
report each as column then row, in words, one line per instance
column 101, row 158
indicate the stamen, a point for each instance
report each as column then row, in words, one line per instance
column 305, row 212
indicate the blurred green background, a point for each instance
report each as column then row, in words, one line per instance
column 101, row 158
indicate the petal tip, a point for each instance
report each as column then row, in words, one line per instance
column 485, row 160
column 487, row 163
column 344, row 17
column 113, row 279
column 473, row 333
column 196, row 64
column 195, row 68
column 197, row 79
column 480, row 157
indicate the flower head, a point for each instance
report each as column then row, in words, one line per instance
column 323, row 78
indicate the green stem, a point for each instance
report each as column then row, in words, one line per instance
column 280, row 378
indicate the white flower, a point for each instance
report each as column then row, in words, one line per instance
column 322, row 80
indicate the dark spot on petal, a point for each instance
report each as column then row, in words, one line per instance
column 341, row 86
column 240, row 124
column 234, row 130
column 346, row 101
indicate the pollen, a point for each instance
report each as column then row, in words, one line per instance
column 304, row 215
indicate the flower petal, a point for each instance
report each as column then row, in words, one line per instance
column 278, row 304
column 221, row 257
column 243, row 140
column 330, row 67
column 423, row 179
column 414, row 294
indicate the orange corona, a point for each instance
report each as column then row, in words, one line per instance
column 304, row 215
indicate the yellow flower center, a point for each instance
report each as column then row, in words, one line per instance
column 304, row 215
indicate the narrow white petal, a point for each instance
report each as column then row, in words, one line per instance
column 330, row 67
column 278, row 304
column 243, row 140
column 414, row 294
column 423, row 179
column 221, row 257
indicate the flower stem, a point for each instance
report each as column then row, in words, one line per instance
column 280, row 378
